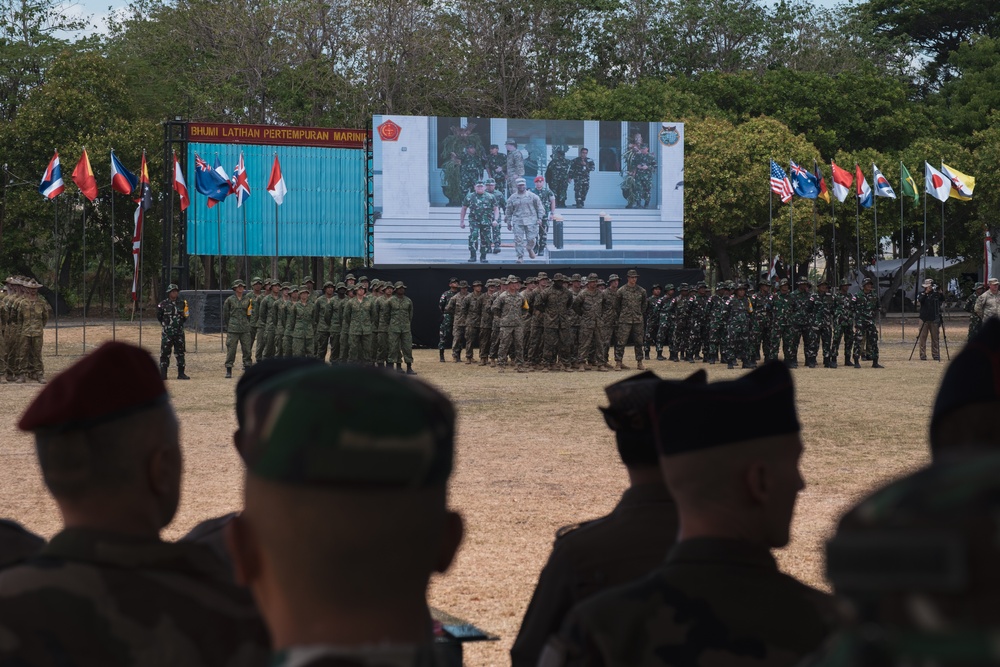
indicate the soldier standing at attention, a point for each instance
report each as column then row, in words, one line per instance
column 359, row 318
column 301, row 325
column 336, row 325
column 557, row 175
column 321, row 319
column 555, row 303
column 801, row 329
column 589, row 305
column 236, row 312
column 172, row 313
column 609, row 318
column 501, row 203
column 864, row 324
column 630, row 304
column 486, row 323
column 761, row 331
column 338, row 552
column 12, row 328
column 782, row 308
column 288, row 343
column 524, row 217
column 988, row 304
column 737, row 313
column 975, row 322
column 843, row 322
column 262, row 311
column 696, row 306
column 652, row 316
column 823, row 325
column 628, row 543
column 454, row 308
column 507, row 310
column 33, row 315
column 534, row 330
column 256, row 285
column 515, row 165
column 549, row 205
column 400, row 334
column 377, row 295
column 472, row 312
column 483, row 210
column 106, row 589
column 645, row 167
column 579, row 173
column 719, row 597
column 444, row 331
column 280, row 309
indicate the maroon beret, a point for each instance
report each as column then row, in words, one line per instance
column 114, row 380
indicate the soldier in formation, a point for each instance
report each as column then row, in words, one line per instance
column 23, row 316
column 975, row 322
column 172, row 313
column 571, row 323
column 988, row 303
column 525, row 214
column 236, row 312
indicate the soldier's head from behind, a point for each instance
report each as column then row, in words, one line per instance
column 916, row 562
column 963, row 422
column 736, row 477
column 108, row 442
column 629, row 416
column 345, row 515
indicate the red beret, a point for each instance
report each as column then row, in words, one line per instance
column 114, row 380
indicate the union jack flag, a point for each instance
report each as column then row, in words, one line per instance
column 780, row 185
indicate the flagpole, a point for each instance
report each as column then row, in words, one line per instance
column 246, row 259
column 902, row 258
column 274, row 262
column 55, row 236
column 218, row 219
column 944, row 282
column 815, row 258
column 791, row 234
column 833, row 226
column 85, row 274
column 917, row 282
column 770, row 232
column 878, row 250
column 112, row 241
column 857, row 231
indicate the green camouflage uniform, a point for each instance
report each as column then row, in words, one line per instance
column 822, row 326
column 737, row 317
column 801, row 329
column 303, row 331
column 864, row 325
column 496, row 166
column 546, row 195
column 280, row 316
column 444, row 331
column 579, row 173
column 557, row 176
column 501, row 203
column 345, row 327
column 844, row 306
column 481, row 207
column 975, row 322
column 507, row 311
column 99, row 598
column 630, row 304
column 782, row 308
column 265, row 327
column 334, row 312
column 473, row 312
column 456, row 310
column 590, row 306
column 321, row 322
column 380, row 327
column 255, row 318
column 606, row 326
column 555, row 304
column 715, row 317
column 12, row 306
column 172, row 315
column 644, row 166
column 534, row 346
column 360, row 328
column 649, row 338
column 470, row 171
column 697, row 327
column 32, row 317
column 400, row 309
column 236, row 314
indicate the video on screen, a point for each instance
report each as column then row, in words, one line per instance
column 514, row 191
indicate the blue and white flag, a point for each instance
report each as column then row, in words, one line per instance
column 882, row 187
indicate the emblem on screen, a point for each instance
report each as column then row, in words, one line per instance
column 669, row 136
column 389, row 131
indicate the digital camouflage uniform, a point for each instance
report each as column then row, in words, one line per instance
column 696, row 306
column 557, row 175
column 486, row 327
column 280, row 310
column 865, row 330
column 644, row 166
column 265, row 329
column 844, row 306
column 630, row 304
column 760, row 332
column 303, row 330
column 360, row 327
column 507, row 311
column 236, row 314
column 525, row 214
column 482, row 209
column 454, row 307
column 473, row 306
column 321, row 323
column 782, row 308
column 737, row 319
column 652, row 324
column 676, row 313
column 589, row 304
column 823, row 306
column 515, row 168
column 801, row 328
column 975, row 322
column 534, row 345
column 444, row 331
column 501, row 203
column 33, row 314
column 470, row 171
column 556, row 302
column 715, row 317
column 172, row 315
column 99, row 598
column 546, row 195
column 400, row 309
column 579, row 173
column 606, row 327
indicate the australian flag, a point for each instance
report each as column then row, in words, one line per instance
column 209, row 182
column 803, row 182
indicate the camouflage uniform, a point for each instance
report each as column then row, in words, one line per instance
column 360, row 327
column 486, row 326
column 630, row 303
column 471, row 170
column 556, row 302
column 606, row 328
column 33, row 314
column 280, row 310
column 713, row 601
column 822, row 327
column 236, row 314
column 265, row 329
column 579, row 173
column 496, row 167
column 696, row 305
column 172, row 315
column 400, row 310
column 345, row 328
column 255, row 316
column 334, row 312
column 652, row 316
column 482, row 208
column 456, row 310
column 444, row 331
column 557, row 175
column 473, row 306
column 760, row 332
column 380, row 324
column 321, row 324
column 803, row 304
column 515, row 168
column 501, row 203
column 589, row 304
column 288, row 340
column 843, row 324
column 864, row 326
column 507, row 310
column 524, row 214
column 495, row 335
column 547, row 196
column 782, row 308
column 12, row 334
column 715, row 316
column 535, row 345
column 988, row 305
column 98, row 598
column 679, row 327
column 737, row 317
column 642, row 169
column 975, row 322
column 303, row 331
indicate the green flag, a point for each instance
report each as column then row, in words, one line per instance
column 909, row 185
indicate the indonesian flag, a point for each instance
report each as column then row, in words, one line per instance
column 180, row 185
column 936, row 184
column 276, row 184
column 962, row 185
column 136, row 248
column 987, row 260
column 842, row 182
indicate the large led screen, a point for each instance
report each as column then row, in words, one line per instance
column 594, row 192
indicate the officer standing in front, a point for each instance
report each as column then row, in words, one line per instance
column 172, row 313
column 236, row 313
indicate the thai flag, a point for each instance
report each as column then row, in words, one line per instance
column 240, row 186
column 52, row 183
column 122, row 180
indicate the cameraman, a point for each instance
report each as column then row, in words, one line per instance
column 930, row 319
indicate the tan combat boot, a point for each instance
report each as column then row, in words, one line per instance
column 639, row 365
column 618, row 366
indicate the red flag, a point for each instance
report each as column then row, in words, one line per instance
column 83, row 176
column 136, row 249
column 842, row 182
column 179, row 185
column 276, row 184
column 145, row 189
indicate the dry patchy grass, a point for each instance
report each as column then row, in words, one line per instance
column 533, row 454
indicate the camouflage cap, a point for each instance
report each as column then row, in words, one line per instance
column 308, row 279
column 542, row 275
column 294, row 289
column 513, row 279
column 341, row 285
column 504, row 281
column 329, row 283
column 480, row 183
column 656, row 286
column 171, row 287
column 452, row 280
column 613, row 276
column 867, row 281
column 255, row 280
column 520, row 181
column 784, row 281
column 601, row 283
column 286, row 285
column 477, row 282
column 399, row 285
column 462, row 284
column 349, row 276
column 362, row 279
column 700, row 284
column 576, row 277
column 238, row 283
column 632, row 273
column 684, row 287
column 668, row 287
column 490, row 181
column 325, row 426
column 374, row 283
column 510, row 142
column 531, row 280
column 559, row 278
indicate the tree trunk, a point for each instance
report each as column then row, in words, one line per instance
column 720, row 244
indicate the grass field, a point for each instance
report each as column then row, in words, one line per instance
column 533, row 454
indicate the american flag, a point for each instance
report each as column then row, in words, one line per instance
column 780, row 185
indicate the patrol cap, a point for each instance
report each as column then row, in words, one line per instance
column 510, row 142
column 520, row 181
column 656, row 286
column 845, row 283
column 452, row 281
column 576, row 277
column 462, row 284
column 399, row 285
column 115, row 380
column 490, row 181
column 325, row 426
column 542, row 275
column 613, row 276
column 689, row 421
column 668, row 287
column 784, row 281
column 171, row 287
column 684, row 287
column 256, row 281
column 329, row 283
column 972, row 377
column 308, row 279
column 362, row 279
column 349, row 276
column 632, row 273
column 480, row 183
column 340, row 286
column 994, row 281
column 866, row 281
column 238, row 283
column 477, row 282
column 629, row 415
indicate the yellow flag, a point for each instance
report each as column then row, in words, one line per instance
column 962, row 185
